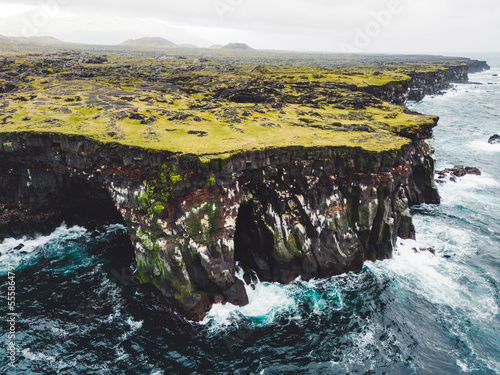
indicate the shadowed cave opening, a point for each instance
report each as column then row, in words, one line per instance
column 253, row 244
column 53, row 199
column 89, row 205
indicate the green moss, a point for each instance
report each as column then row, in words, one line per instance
column 157, row 208
column 161, row 183
column 8, row 147
column 308, row 105
column 194, row 227
column 144, row 201
column 182, row 292
column 204, row 222
column 160, row 186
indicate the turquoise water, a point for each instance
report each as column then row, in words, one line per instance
column 79, row 312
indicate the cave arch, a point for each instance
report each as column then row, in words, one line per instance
column 253, row 243
column 37, row 200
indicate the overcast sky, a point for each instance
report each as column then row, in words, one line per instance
column 406, row 26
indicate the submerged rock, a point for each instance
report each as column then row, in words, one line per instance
column 423, row 250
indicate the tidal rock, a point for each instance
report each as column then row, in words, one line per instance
column 456, row 172
column 494, row 139
column 237, row 294
column 424, row 249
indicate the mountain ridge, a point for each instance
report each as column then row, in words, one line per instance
column 149, row 42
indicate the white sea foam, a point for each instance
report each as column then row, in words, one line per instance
column 463, row 366
column 473, row 192
column 484, row 146
column 134, row 327
column 121, row 354
column 30, row 246
column 28, row 354
column 442, row 281
column 266, row 301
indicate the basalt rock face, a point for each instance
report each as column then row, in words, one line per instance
column 430, row 83
column 425, row 83
column 476, row 66
column 285, row 212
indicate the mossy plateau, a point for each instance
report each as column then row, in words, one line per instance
column 208, row 108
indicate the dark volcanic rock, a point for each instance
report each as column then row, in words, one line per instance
column 148, row 120
column 494, row 139
column 7, row 87
column 92, row 59
column 289, row 212
column 136, row 116
column 199, row 133
column 179, row 116
column 87, row 74
column 477, row 66
column 457, row 171
column 423, row 250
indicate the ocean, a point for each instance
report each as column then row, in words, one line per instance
column 79, row 311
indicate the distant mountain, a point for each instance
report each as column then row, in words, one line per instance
column 30, row 40
column 46, row 40
column 149, row 43
column 187, row 46
column 238, row 47
column 216, row 46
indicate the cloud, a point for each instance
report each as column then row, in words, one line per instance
column 421, row 26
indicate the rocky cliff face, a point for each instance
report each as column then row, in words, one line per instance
column 310, row 212
column 425, row 83
column 477, row 66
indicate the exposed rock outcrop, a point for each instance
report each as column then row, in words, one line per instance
column 425, row 83
column 494, row 139
column 476, row 66
column 456, row 172
column 310, row 212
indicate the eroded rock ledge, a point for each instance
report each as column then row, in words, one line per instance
column 423, row 83
column 310, row 212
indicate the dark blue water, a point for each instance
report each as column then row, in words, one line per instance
column 80, row 313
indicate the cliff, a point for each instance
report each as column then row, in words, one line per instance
column 420, row 83
column 291, row 184
column 310, row 212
